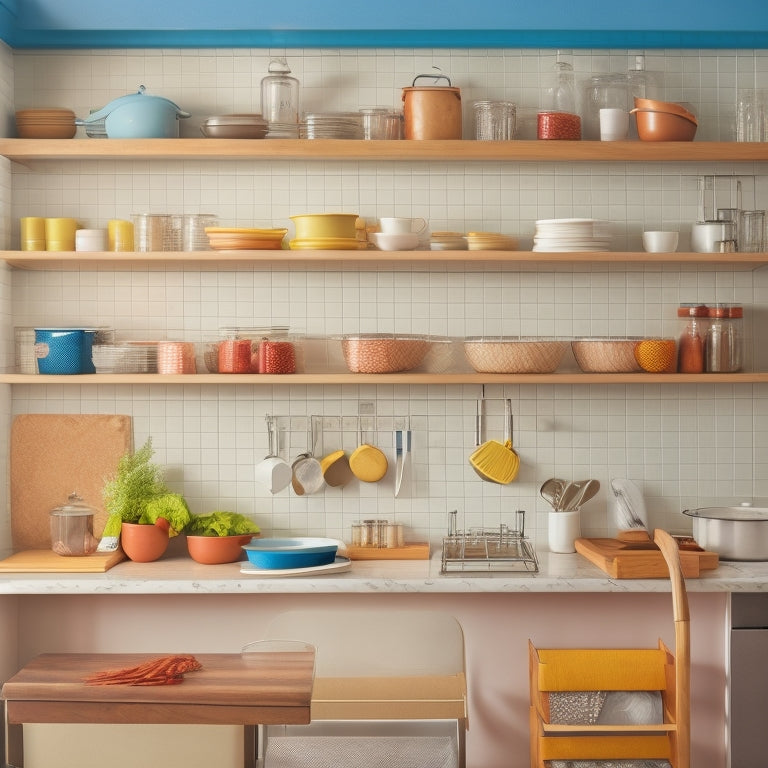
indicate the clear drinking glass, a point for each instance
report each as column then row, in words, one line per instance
column 752, row 114
column 752, row 232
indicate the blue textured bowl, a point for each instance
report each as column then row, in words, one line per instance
column 274, row 554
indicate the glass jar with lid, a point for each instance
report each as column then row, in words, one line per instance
column 280, row 97
column 557, row 118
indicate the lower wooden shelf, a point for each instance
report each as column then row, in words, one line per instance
column 303, row 379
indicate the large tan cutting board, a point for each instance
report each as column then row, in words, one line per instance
column 47, row 561
column 626, row 560
column 54, row 455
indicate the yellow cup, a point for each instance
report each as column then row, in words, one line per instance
column 60, row 234
column 120, row 235
column 32, row 231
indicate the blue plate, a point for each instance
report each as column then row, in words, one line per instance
column 291, row 553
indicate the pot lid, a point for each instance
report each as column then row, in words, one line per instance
column 743, row 512
column 75, row 507
column 132, row 98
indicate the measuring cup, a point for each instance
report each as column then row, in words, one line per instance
column 273, row 471
column 307, row 474
column 367, row 462
column 336, row 470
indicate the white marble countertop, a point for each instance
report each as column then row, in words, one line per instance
column 557, row 573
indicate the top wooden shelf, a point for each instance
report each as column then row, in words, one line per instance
column 28, row 150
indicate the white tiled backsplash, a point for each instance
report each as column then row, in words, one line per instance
column 685, row 445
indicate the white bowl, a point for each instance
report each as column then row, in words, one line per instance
column 395, row 241
column 660, row 242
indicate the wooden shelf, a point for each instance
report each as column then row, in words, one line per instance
column 28, row 150
column 221, row 260
column 570, row 378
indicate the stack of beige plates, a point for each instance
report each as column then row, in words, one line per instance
column 45, row 123
column 234, row 238
column 490, row 241
column 235, row 127
column 448, row 241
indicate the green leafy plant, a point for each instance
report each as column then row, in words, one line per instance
column 138, row 494
column 221, row 523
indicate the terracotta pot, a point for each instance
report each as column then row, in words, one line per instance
column 144, row 543
column 212, row 550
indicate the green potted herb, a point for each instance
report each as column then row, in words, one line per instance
column 143, row 511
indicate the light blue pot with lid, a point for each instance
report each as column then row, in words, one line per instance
column 136, row 116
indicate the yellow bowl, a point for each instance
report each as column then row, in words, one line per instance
column 310, row 226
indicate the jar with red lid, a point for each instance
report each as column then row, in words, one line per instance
column 690, row 356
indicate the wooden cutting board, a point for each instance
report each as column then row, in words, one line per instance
column 627, row 560
column 47, row 561
column 54, row 455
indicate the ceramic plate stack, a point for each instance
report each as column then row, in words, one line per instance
column 45, row 123
column 332, row 125
column 564, row 235
column 235, row 239
column 490, row 241
column 448, row 241
column 235, row 127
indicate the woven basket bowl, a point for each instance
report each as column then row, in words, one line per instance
column 606, row 355
column 379, row 353
column 514, row 355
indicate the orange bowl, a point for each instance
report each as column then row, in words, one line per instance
column 664, row 106
column 214, row 550
column 664, row 126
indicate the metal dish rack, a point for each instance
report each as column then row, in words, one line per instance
column 487, row 549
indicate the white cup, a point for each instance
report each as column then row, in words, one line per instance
column 614, row 124
column 660, row 242
column 564, row 529
column 401, row 225
column 274, row 473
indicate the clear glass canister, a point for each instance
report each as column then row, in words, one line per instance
column 557, row 118
column 495, row 120
column 280, row 94
column 724, row 339
column 72, row 528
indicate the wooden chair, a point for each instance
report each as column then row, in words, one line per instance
column 382, row 680
column 653, row 669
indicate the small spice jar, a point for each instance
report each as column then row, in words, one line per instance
column 690, row 347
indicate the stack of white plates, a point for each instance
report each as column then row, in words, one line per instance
column 332, row 125
column 554, row 235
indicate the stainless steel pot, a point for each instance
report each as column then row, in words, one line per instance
column 735, row 533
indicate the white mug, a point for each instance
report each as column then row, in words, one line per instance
column 401, row 225
column 614, row 124
column 564, row 528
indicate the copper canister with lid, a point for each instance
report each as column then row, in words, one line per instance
column 432, row 111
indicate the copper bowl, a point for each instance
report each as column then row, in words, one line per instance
column 213, row 550
column 663, row 126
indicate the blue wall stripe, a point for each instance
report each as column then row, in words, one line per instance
column 494, row 38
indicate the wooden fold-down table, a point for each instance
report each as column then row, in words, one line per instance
column 270, row 688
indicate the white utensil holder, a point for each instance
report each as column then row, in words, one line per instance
column 564, row 529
